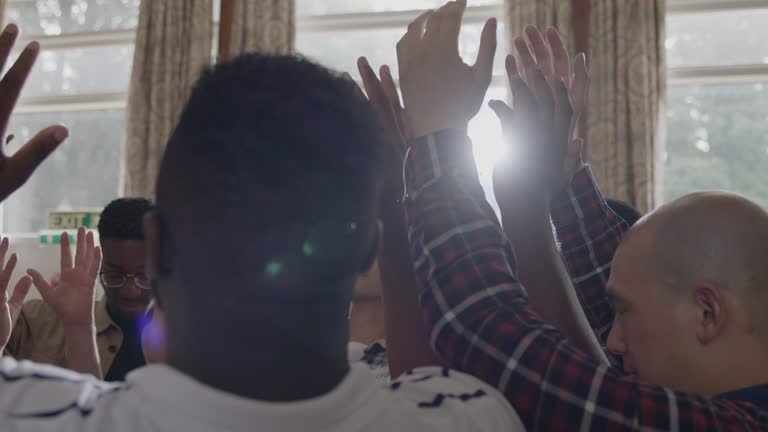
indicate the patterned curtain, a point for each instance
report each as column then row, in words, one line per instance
column 625, row 114
column 623, row 124
column 173, row 44
column 265, row 26
column 542, row 14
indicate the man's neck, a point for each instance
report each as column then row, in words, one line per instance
column 265, row 374
column 366, row 321
column 739, row 371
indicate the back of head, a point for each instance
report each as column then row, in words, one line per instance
column 719, row 239
column 267, row 190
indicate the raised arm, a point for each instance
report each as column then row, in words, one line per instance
column 478, row 312
column 73, row 301
column 522, row 192
column 407, row 346
column 588, row 231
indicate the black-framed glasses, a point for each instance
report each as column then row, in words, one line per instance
column 116, row 279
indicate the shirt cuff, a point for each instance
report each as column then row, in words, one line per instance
column 432, row 156
column 581, row 200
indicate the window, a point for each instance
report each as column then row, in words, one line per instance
column 337, row 32
column 717, row 103
column 80, row 80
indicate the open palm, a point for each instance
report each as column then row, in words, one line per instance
column 10, row 308
column 73, row 297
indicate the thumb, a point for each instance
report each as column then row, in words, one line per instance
column 45, row 289
column 21, row 165
column 502, row 110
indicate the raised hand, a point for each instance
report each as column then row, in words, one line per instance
column 385, row 100
column 73, row 298
column 16, row 169
column 540, row 126
column 439, row 90
column 552, row 59
column 10, row 308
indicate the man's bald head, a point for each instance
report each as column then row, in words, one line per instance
column 715, row 238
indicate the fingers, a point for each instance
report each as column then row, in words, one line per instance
column 560, row 59
column 527, row 62
column 4, row 245
column 390, row 89
column 20, row 292
column 6, row 274
column 563, row 109
column 7, row 39
column 543, row 93
column 42, row 285
column 22, row 164
column 413, row 35
column 349, row 78
column 451, row 25
column 13, row 81
column 484, row 63
column 580, row 85
column 66, row 253
column 80, row 248
column 89, row 247
column 540, row 49
column 95, row 264
column 393, row 97
column 433, row 25
column 371, row 83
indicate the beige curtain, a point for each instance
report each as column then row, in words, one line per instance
column 173, row 44
column 542, row 14
column 266, row 26
column 625, row 128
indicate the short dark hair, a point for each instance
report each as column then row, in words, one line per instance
column 123, row 219
column 625, row 210
column 271, row 171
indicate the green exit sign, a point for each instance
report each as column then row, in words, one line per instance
column 72, row 220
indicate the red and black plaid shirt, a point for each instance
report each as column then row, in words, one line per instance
column 589, row 233
column 480, row 321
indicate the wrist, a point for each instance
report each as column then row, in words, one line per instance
column 79, row 327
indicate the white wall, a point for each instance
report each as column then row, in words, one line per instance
column 32, row 254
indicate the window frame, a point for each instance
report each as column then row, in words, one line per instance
column 725, row 74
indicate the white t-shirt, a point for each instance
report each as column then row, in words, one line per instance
column 373, row 356
column 158, row 398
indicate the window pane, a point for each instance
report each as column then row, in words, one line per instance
column 717, row 38
column 92, row 70
column 340, row 49
column 322, row 7
column 718, row 139
column 54, row 17
column 82, row 173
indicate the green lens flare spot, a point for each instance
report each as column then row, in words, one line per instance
column 309, row 250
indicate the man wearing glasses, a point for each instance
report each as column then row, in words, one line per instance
column 119, row 314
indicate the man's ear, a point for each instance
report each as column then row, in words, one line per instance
column 711, row 312
column 152, row 246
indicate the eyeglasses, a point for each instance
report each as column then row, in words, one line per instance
column 115, row 279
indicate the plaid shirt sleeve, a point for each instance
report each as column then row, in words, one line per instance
column 589, row 233
column 480, row 321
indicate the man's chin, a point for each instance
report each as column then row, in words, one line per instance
column 132, row 310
